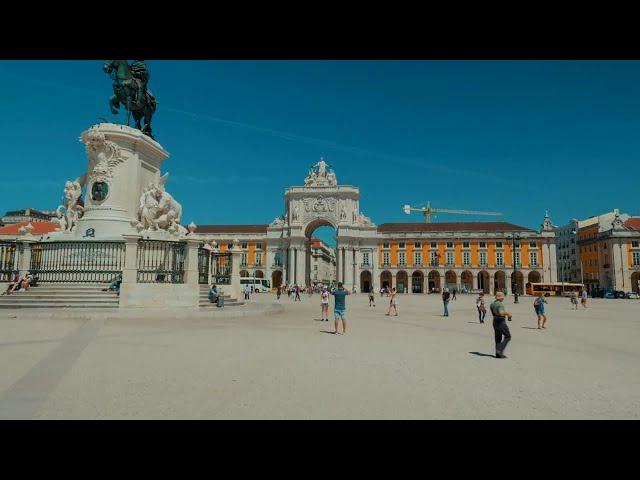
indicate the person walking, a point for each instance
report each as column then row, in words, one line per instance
column 583, row 300
column 324, row 304
column 538, row 306
column 392, row 303
column 500, row 328
column 340, row 307
column 482, row 310
column 247, row 291
column 574, row 300
column 372, row 299
column 445, row 300
column 453, row 297
column 278, row 293
column 297, row 299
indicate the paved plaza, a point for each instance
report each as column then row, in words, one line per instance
column 271, row 362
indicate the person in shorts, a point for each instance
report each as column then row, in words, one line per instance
column 538, row 306
column 482, row 310
column 339, row 307
column 574, row 300
column 372, row 299
column 583, row 299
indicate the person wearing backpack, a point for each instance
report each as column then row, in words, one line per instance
column 538, row 306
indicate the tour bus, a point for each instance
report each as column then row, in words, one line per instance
column 260, row 285
column 553, row 289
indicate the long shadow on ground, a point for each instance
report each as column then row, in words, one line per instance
column 482, row 354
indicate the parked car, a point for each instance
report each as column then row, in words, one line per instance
column 633, row 295
column 607, row 293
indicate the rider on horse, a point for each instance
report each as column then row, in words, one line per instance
column 140, row 72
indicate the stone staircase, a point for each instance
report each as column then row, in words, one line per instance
column 203, row 300
column 53, row 295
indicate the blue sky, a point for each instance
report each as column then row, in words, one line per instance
column 517, row 137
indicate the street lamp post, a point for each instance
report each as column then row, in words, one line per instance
column 514, row 288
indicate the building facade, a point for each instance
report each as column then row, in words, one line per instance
column 26, row 215
column 323, row 263
column 412, row 257
column 609, row 253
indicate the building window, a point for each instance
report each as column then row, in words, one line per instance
column 259, row 245
column 498, row 244
column 229, row 246
column 434, row 244
column 417, row 245
column 434, row 259
column 465, row 244
column 401, row 244
column 449, row 258
column 533, row 259
column 315, row 267
column 400, row 258
column 483, row 258
column 245, row 245
column 385, row 258
column 483, row 244
column 635, row 243
column 243, row 260
column 258, row 258
column 517, row 257
column 499, row 258
column 636, row 259
column 534, row 244
column 417, row 258
column 466, row 257
column 449, row 244
column 385, row 244
column 365, row 258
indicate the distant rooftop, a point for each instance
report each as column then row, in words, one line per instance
column 232, row 229
column 452, row 227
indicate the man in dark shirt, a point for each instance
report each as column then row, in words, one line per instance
column 501, row 330
column 339, row 307
column 445, row 300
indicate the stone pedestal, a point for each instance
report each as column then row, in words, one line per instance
column 122, row 161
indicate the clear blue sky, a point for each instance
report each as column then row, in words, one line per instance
column 516, row 137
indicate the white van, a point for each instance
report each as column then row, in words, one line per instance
column 260, row 285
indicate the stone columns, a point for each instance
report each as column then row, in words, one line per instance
column 236, row 258
column 290, row 265
column 191, row 264
column 299, row 266
column 492, row 283
column 24, row 252
column 130, row 271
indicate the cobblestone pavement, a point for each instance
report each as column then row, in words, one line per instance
column 283, row 364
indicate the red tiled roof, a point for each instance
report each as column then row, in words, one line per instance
column 452, row 227
column 633, row 223
column 232, row 229
column 39, row 228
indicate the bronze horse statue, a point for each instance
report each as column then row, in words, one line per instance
column 130, row 90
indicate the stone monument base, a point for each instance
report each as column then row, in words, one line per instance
column 158, row 295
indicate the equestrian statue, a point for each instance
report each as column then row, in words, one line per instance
column 130, row 90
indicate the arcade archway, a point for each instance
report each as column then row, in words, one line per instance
column 534, row 277
column 517, row 282
column 483, row 281
column 635, row 282
column 417, row 282
column 450, row 279
column 433, row 281
column 386, row 279
column 276, row 279
column 466, row 280
column 402, row 282
column 499, row 281
column 365, row 281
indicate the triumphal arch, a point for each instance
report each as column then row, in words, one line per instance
column 321, row 201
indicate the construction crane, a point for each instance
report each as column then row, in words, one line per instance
column 428, row 210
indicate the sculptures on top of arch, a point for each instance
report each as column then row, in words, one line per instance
column 321, row 175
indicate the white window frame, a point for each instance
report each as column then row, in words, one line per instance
column 401, row 258
column 483, row 258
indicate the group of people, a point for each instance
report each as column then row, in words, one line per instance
column 19, row 283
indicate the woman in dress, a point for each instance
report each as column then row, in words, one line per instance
column 324, row 304
column 482, row 310
column 392, row 303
